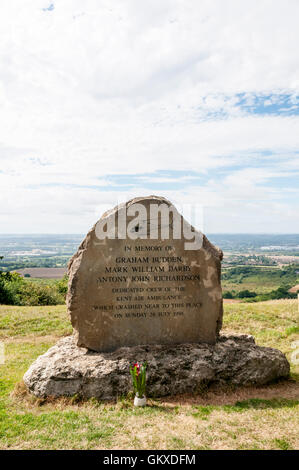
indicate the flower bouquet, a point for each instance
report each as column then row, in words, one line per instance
column 138, row 373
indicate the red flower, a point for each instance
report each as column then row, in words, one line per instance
column 137, row 367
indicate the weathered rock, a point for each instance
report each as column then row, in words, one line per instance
column 66, row 369
column 137, row 289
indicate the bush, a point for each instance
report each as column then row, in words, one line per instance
column 62, row 285
column 246, row 294
column 39, row 294
column 228, row 295
column 15, row 290
column 280, row 293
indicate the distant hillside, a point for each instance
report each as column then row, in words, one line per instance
column 259, row 242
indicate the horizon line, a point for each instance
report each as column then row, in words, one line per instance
column 82, row 234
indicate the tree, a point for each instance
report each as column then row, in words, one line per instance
column 228, row 295
column 245, row 294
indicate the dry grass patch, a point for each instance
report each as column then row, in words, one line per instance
column 216, row 429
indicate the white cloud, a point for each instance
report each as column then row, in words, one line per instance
column 97, row 87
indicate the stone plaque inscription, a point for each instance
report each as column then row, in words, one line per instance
column 125, row 292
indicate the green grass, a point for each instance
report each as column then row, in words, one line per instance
column 264, row 418
column 44, row 281
column 282, row 444
column 253, row 285
column 48, row 429
column 273, row 323
column 21, row 321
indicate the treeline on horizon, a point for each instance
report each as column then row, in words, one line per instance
column 8, row 264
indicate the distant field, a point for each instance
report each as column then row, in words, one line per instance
column 43, row 273
column 254, row 285
column 243, row 418
column 258, row 279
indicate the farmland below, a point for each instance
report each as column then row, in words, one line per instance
column 54, row 251
column 254, row 268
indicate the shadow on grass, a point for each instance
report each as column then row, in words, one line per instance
column 120, row 404
column 125, row 403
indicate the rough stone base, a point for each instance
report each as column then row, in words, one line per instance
column 66, row 369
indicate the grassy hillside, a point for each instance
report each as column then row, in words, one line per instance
column 259, row 279
column 246, row 418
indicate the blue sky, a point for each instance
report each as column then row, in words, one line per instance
column 102, row 101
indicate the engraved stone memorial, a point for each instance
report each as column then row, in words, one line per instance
column 145, row 285
column 143, row 290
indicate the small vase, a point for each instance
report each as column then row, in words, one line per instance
column 139, row 401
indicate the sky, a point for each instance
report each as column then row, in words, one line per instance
column 196, row 101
